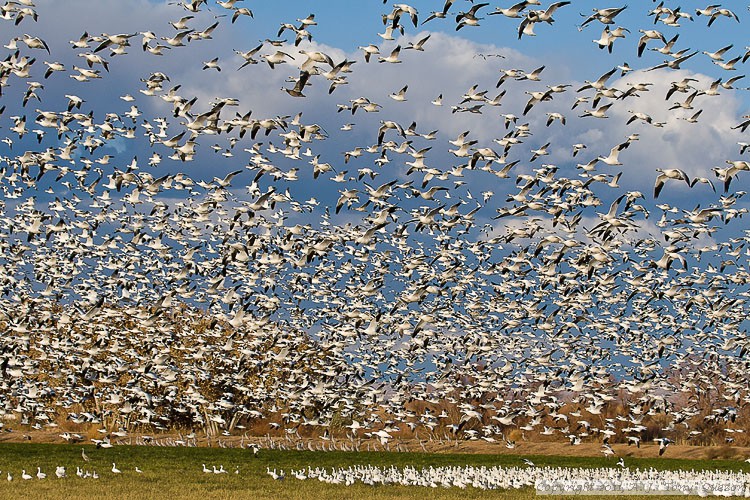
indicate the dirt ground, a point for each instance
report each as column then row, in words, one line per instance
column 592, row 449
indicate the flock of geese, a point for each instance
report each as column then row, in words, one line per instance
column 179, row 260
column 62, row 473
column 546, row 480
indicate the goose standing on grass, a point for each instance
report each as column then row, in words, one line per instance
column 115, row 470
column 276, row 476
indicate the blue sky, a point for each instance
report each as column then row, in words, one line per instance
column 451, row 63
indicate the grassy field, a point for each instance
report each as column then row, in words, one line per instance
column 177, row 472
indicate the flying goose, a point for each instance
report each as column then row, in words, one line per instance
column 666, row 174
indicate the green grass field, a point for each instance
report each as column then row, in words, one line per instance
column 177, row 472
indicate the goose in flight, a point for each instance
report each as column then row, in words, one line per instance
column 299, row 85
column 742, row 126
column 533, row 17
column 469, row 18
column 435, row 15
column 599, row 112
column 692, row 119
column 533, row 76
column 212, row 64
column 649, row 35
column 419, row 45
column 667, row 174
column 393, row 57
column 121, row 39
column 536, row 97
column 400, row 95
column 675, row 63
column 546, row 15
column 82, row 42
column 727, row 174
column 308, row 21
column 241, row 11
column 666, row 49
column 514, row 11
column 369, row 50
column 181, row 24
column 719, row 54
column 722, row 12
column 52, row 67
column 604, row 16
column 608, row 37
column 551, row 117
column 663, row 443
column 688, row 102
column 729, row 65
column 278, row 57
column 34, row 42
column 612, row 158
column 248, row 56
column 599, row 83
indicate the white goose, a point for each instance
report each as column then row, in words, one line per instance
column 666, row 174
